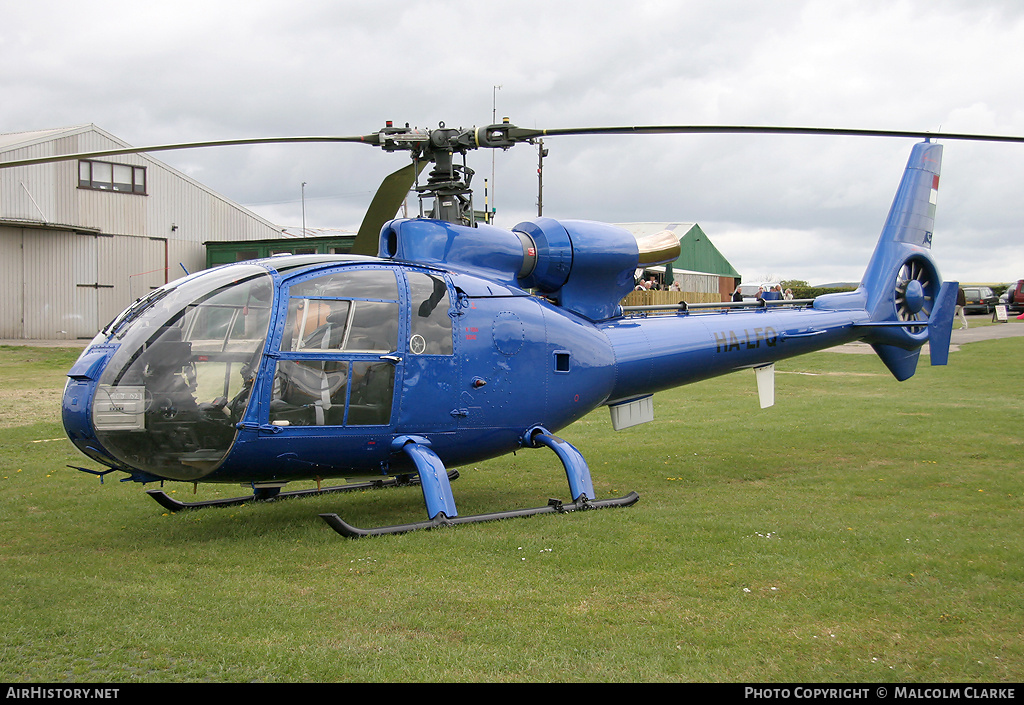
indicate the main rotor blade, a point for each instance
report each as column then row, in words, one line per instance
column 373, row 139
column 522, row 133
column 385, row 204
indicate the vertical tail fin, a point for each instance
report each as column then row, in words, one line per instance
column 901, row 289
column 903, row 253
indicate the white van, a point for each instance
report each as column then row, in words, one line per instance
column 749, row 291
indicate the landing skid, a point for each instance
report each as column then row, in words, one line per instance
column 553, row 506
column 437, row 492
column 261, row 495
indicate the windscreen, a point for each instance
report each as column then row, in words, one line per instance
column 169, row 400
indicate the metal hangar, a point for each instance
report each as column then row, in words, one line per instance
column 81, row 239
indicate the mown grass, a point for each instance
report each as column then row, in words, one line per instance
column 860, row 530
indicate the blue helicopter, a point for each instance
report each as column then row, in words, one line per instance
column 440, row 341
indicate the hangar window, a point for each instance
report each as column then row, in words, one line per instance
column 105, row 176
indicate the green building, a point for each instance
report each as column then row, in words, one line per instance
column 294, row 241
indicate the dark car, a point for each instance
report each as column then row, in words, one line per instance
column 1015, row 296
column 980, row 299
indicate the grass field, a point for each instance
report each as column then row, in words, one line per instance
column 861, row 530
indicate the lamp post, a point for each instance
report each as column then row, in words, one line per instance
column 303, row 209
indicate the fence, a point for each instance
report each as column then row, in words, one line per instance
column 662, row 298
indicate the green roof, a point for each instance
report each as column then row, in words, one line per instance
column 697, row 252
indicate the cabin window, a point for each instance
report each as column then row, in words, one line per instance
column 352, row 311
column 431, row 327
column 337, row 328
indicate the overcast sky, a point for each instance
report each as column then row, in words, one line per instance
column 789, row 207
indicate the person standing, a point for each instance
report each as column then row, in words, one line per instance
column 961, row 301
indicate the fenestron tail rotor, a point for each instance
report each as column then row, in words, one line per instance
column 917, row 285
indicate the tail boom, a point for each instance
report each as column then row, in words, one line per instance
column 661, row 352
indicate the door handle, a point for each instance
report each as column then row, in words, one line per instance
column 393, row 359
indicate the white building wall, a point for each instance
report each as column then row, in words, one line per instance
column 697, row 282
column 183, row 258
column 53, row 306
column 12, row 283
column 59, row 284
column 29, row 193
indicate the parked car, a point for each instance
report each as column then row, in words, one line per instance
column 1015, row 296
column 980, row 299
